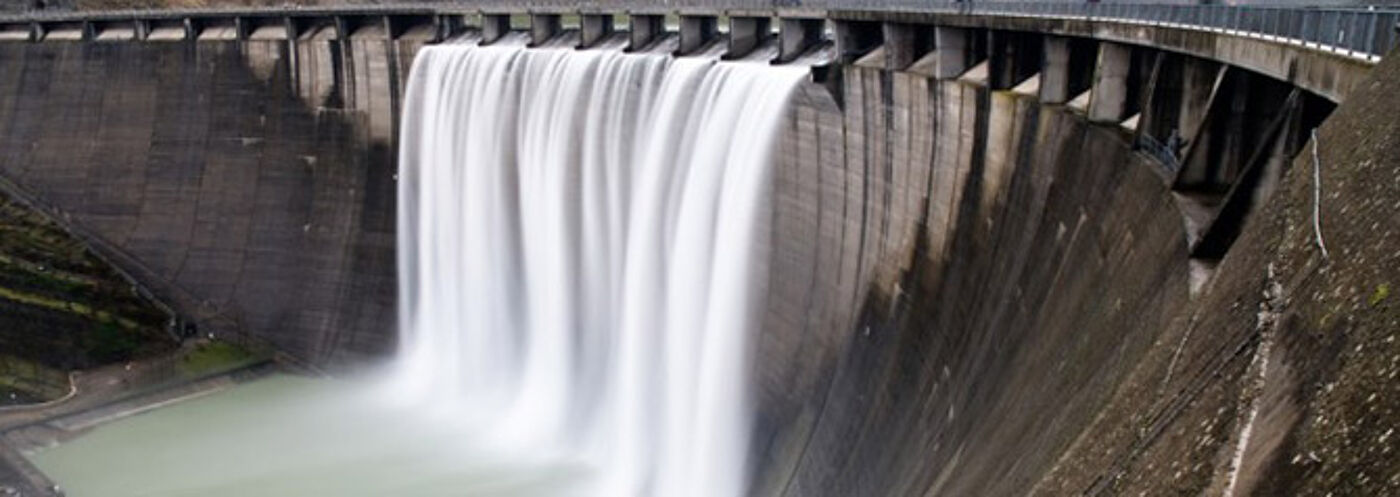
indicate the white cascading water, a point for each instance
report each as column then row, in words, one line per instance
column 580, row 233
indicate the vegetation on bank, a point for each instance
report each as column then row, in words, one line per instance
column 62, row 308
column 25, row 382
column 214, row 357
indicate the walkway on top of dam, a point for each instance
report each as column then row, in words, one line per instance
column 1365, row 32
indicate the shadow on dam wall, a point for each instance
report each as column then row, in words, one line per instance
column 969, row 293
column 253, row 194
column 959, row 279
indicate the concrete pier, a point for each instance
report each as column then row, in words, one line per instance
column 904, row 44
column 955, row 51
column 594, row 28
column 797, row 35
column 494, row 26
column 543, row 26
column 746, row 33
column 644, row 29
column 1110, row 91
column 1054, row 78
column 697, row 31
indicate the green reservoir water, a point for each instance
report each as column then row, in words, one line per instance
column 298, row 437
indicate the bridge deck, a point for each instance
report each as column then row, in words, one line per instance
column 1363, row 32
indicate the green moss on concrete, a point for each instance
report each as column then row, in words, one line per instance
column 216, row 356
column 24, row 381
column 16, row 397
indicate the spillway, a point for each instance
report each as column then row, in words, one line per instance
column 577, row 233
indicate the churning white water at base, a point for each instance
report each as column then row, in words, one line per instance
column 580, row 263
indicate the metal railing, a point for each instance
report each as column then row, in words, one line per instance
column 1367, row 32
column 1166, row 155
column 1362, row 31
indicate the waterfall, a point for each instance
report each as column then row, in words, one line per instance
column 581, row 243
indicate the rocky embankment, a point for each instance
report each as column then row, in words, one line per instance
column 62, row 309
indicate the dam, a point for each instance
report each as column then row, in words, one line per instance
column 996, row 249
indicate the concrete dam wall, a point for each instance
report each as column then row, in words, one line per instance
column 960, row 278
column 940, row 251
column 254, row 193
column 971, row 291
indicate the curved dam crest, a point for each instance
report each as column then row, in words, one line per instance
column 970, row 287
